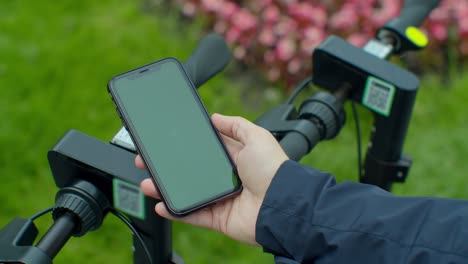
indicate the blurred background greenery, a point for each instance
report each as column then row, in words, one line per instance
column 56, row 59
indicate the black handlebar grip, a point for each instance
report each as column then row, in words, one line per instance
column 210, row 57
column 414, row 12
column 296, row 146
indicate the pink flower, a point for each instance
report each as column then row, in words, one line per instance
column 211, row 5
column 258, row 5
column 227, row 10
column 233, row 34
column 189, row 9
column 438, row 32
column 301, row 11
column 308, row 46
column 363, row 8
column 282, row 34
column 266, row 37
column 244, row 20
column 294, row 66
column 271, row 14
column 273, row 74
column 392, row 8
column 389, row 10
column 460, row 9
column 319, row 16
column 345, row 19
column 313, row 34
column 220, row 26
column 440, row 15
column 239, row 52
column 285, row 26
column 463, row 28
column 358, row 39
column 285, row 49
column 245, row 39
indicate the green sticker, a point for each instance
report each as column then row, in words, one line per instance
column 378, row 96
column 129, row 198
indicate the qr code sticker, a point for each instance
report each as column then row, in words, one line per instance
column 378, row 96
column 128, row 198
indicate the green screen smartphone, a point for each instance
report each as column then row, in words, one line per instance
column 173, row 133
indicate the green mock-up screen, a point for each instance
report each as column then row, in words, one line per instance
column 175, row 135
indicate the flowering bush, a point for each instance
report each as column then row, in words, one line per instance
column 280, row 35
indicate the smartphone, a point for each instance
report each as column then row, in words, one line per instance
column 172, row 131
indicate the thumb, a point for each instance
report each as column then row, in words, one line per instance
column 236, row 127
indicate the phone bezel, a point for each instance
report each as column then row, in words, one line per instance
column 145, row 69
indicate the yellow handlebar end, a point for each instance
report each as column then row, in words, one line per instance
column 416, row 36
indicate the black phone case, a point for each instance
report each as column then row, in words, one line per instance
column 154, row 176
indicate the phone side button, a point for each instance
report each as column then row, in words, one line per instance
column 121, row 119
column 118, row 112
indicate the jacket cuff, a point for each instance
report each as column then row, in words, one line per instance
column 284, row 217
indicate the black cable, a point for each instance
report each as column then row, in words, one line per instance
column 135, row 232
column 41, row 213
column 358, row 135
column 298, row 89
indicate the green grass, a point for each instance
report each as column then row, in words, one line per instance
column 55, row 61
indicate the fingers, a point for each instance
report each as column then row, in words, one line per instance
column 236, row 127
column 233, row 147
column 139, row 162
column 147, row 185
column 149, row 189
column 202, row 218
column 162, row 211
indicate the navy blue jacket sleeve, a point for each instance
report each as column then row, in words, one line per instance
column 307, row 218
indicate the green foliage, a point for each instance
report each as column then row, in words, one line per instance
column 55, row 61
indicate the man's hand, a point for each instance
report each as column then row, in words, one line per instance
column 257, row 156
